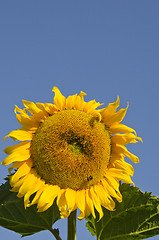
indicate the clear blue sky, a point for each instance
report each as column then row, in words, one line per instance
column 105, row 48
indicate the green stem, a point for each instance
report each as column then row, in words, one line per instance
column 55, row 233
column 71, row 227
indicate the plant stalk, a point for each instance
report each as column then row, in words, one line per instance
column 55, row 232
column 71, row 227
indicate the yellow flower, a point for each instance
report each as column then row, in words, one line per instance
column 71, row 152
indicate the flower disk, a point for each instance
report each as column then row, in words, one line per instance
column 71, row 149
column 72, row 153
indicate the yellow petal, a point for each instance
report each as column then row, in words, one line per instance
column 121, row 164
column 81, row 94
column 89, row 205
column 62, row 204
column 37, row 196
column 116, row 156
column 125, row 139
column 96, row 201
column 70, row 196
column 48, row 194
column 80, row 200
column 31, row 107
column 24, row 119
column 40, row 106
column 116, row 117
column 30, row 180
column 79, row 103
column 50, row 108
column 111, row 191
column 133, row 157
column 46, row 206
column 110, row 109
column 37, row 109
column 20, row 135
column 16, row 157
column 105, row 199
column 38, row 184
column 61, row 200
column 23, row 170
column 41, row 116
column 21, row 111
column 120, row 175
column 120, row 128
column 26, row 185
column 15, row 165
column 43, row 111
column 90, row 106
column 71, row 101
column 59, row 99
column 17, row 185
column 116, row 148
column 113, row 182
column 21, row 146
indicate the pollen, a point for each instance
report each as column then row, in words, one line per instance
column 71, row 149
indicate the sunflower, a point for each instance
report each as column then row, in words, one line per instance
column 72, row 153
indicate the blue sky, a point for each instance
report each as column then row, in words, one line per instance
column 105, row 48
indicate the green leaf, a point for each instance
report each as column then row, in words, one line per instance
column 136, row 217
column 13, row 215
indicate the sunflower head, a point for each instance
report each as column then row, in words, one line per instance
column 71, row 152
